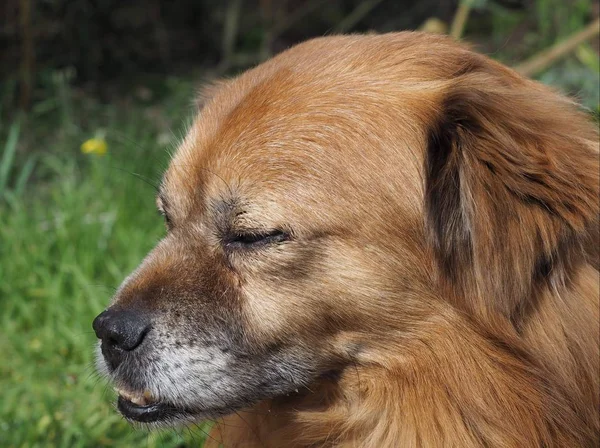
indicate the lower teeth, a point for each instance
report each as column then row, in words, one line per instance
column 136, row 398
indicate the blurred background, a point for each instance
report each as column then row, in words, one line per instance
column 94, row 94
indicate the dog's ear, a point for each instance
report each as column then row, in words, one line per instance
column 511, row 189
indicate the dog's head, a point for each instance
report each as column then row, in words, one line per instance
column 330, row 205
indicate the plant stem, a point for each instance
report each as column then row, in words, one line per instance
column 546, row 58
column 460, row 19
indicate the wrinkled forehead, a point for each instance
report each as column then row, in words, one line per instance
column 301, row 139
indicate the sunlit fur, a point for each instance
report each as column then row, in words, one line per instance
column 439, row 287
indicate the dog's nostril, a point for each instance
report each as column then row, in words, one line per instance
column 121, row 329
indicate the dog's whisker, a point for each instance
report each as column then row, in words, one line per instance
column 139, row 176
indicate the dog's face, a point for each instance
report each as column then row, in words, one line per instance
column 296, row 239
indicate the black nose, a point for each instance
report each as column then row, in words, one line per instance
column 120, row 331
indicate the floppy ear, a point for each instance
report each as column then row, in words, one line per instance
column 511, row 189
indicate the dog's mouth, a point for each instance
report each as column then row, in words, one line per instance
column 143, row 407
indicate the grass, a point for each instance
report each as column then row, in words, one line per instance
column 72, row 226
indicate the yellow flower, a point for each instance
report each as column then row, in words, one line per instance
column 94, row 146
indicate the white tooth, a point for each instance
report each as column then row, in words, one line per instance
column 125, row 394
column 296, row 391
column 139, row 400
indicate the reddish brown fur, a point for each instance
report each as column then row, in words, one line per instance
column 447, row 268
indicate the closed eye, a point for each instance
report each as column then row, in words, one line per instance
column 255, row 239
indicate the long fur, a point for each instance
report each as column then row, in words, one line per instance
column 435, row 281
column 511, row 210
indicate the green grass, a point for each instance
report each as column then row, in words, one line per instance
column 71, row 227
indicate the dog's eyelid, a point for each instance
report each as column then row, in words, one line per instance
column 254, row 238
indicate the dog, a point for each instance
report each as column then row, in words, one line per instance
column 372, row 241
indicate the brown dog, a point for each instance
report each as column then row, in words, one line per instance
column 373, row 241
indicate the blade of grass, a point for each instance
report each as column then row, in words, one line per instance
column 8, row 155
column 24, row 175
